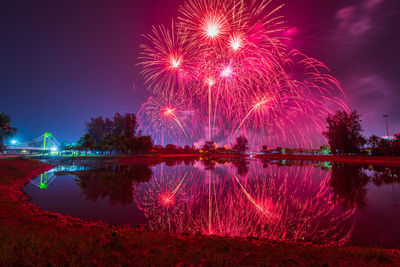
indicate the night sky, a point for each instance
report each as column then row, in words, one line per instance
column 65, row 61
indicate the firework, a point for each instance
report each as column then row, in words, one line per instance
column 166, row 117
column 230, row 61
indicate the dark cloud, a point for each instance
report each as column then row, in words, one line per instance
column 363, row 37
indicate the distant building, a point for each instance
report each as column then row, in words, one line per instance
column 389, row 137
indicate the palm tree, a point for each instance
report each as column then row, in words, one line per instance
column 108, row 143
column 86, row 142
column 6, row 130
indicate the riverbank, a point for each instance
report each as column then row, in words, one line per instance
column 30, row 236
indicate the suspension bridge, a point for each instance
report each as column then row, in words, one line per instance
column 44, row 143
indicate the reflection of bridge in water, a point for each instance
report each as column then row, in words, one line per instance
column 45, row 143
column 44, row 180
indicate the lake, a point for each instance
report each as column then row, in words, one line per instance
column 322, row 203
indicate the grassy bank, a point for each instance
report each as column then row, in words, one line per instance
column 30, row 236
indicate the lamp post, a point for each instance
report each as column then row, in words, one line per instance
column 387, row 127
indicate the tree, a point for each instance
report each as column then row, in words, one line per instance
column 126, row 125
column 108, row 143
column 96, row 128
column 143, row 144
column 108, row 126
column 6, row 130
column 264, row 149
column 209, row 147
column 122, row 143
column 86, row 142
column 130, row 125
column 117, row 133
column 396, row 145
column 344, row 132
column 373, row 141
column 242, row 144
column 385, row 147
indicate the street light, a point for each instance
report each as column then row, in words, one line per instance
column 387, row 127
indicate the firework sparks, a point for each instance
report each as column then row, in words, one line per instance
column 222, row 58
column 236, row 42
column 256, row 106
column 212, row 27
column 175, row 62
column 227, row 71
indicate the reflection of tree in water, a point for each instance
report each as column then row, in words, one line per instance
column 349, row 184
column 278, row 203
column 113, row 182
column 242, row 166
column 209, row 164
column 386, row 175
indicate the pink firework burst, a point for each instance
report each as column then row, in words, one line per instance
column 230, row 63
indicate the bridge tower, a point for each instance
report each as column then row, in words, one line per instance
column 47, row 137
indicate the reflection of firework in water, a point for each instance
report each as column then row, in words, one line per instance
column 277, row 203
column 166, row 196
column 230, row 61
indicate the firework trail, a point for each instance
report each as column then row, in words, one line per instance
column 230, row 62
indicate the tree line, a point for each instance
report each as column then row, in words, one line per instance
column 344, row 135
column 118, row 135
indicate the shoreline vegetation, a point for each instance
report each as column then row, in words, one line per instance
column 31, row 236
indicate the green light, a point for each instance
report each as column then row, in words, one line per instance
column 43, row 185
column 326, row 165
column 46, row 136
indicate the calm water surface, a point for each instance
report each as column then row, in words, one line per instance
column 278, row 200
